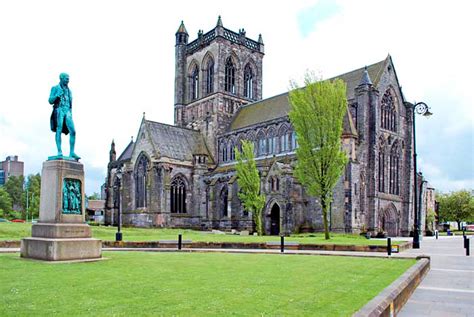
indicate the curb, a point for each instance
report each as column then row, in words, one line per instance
column 391, row 300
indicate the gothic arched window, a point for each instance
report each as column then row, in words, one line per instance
column 388, row 112
column 194, row 83
column 262, row 144
column 229, row 83
column 362, row 192
column 178, row 195
column 231, row 151
column 272, row 141
column 294, row 142
column 210, row 76
column 224, row 201
column 283, row 142
column 224, row 151
column 381, row 171
column 140, row 181
column 248, row 82
column 394, row 171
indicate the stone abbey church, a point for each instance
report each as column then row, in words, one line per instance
column 183, row 175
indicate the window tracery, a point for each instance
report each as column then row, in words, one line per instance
column 210, row 76
column 141, row 181
column 388, row 112
column 229, row 82
column 248, row 82
column 178, row 195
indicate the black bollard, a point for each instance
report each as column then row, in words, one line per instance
column 467, row 247
column 389, row 246
column 464, row 238
column 282, row 244
column 179, row 241
column 436, row 233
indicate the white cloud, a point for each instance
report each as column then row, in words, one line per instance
column 120, row 55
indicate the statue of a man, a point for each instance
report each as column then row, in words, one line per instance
column 61, row 118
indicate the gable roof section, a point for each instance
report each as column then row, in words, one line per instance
column 176, row 142
column 127, row 153
column 278, row 106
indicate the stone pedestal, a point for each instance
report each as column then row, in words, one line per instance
column 61, row 233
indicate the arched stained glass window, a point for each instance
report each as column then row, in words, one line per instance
column 248, row 82
column 394, row 170
column 194, row 83
column 381, row 170
column 224, row 202
column 140, row 181
column 210, row 76
column 388, row 113
column 229, row 83
column 178, row 195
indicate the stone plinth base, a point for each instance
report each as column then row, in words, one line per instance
column 61, row 249
column 61, row 230
column 61, row 234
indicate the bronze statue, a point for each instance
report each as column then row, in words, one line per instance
column 61, row 118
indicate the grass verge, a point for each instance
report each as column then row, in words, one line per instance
column 16, row 231
column 194, row 284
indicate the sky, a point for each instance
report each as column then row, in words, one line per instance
column 121, row 60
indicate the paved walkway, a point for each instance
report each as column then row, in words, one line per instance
column 448, row 288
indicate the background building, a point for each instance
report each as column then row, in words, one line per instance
column 10, row 167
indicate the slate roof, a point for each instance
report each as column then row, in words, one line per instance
column 127, row 153
column 176, row 142
column 278, row 106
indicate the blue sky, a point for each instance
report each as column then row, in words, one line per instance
column 120, row 56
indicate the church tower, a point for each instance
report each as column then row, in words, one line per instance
column 215, row 75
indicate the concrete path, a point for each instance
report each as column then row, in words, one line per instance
column 448, row 288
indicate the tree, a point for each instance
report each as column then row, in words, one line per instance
column 14, row 187
column 249, row 183
column 317, row 114
column 33, row 188
column 94, row 196
column 457, row 206
column 6, row 203
column 430, row 219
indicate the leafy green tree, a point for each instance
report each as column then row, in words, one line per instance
column 6, row 203
column 430, row 219
column 317, row 114
column 33, row 186
column 14, row 187
column 456, row 206
column 94, row 196
column 249, row 183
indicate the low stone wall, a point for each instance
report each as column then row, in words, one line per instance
column 250, row 245
column 391, row 300
column 234, row 245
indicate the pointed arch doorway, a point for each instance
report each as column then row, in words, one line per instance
column 390, row 221
column 275, row 220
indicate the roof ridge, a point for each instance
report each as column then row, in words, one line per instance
column 171, row 125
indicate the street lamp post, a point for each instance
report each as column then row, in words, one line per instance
column 118, row 235
column 420, row 108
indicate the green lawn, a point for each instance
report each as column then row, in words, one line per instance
column 16, row 231
column 194, row 284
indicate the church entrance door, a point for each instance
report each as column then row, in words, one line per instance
column 275, row 220
column 389, row 222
